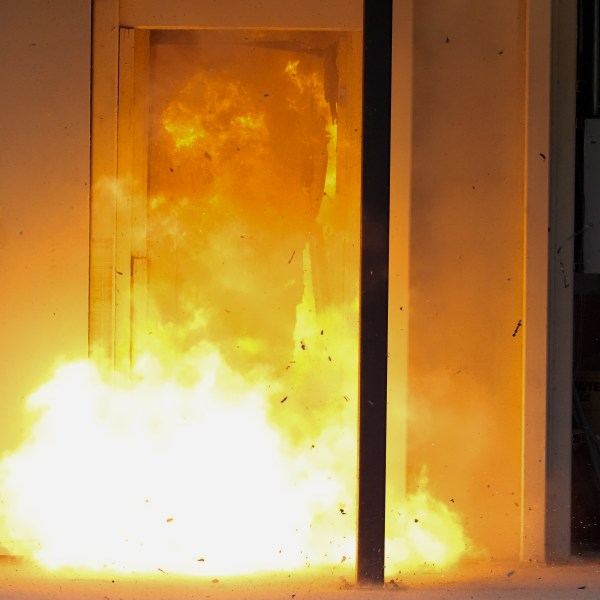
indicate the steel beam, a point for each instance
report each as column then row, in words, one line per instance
column 375, row 222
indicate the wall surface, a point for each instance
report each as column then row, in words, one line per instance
column 466, row 275
column 44, row 175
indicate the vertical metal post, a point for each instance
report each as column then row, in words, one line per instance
column 377, row 49
column 595, row 83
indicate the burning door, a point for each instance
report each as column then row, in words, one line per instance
column 237, row 259
column 249, row 198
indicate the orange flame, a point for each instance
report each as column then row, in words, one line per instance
column 232, row 446
column 184, row 469
column 425, row 534
column 198, row 478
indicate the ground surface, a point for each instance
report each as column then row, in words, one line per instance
column 579, row 580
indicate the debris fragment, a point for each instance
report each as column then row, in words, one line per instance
column 563, row 270
column 543, row 155
column 510, row 573
column 573, row 235
column 291, row 257
column 302, row 345
column 519, row 323
column 170, row 520
column 582, row 587
column 342, row 511
column 283, row 399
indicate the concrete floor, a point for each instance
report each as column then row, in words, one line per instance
column 579, row 580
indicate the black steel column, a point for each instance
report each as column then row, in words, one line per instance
column 377, row 58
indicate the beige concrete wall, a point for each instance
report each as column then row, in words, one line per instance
column 466, row 257
column 44, row 176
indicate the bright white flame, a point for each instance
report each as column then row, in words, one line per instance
column 425, row 534
column 156, row 475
